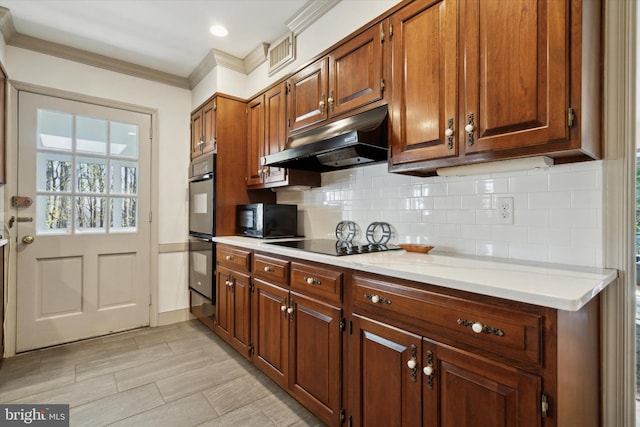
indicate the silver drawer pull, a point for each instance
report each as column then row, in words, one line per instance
column 230, row 257
column 377, row 299
column 268, row 269
column 478, row 327
column 312, row 281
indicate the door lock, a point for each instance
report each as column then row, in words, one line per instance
column 21, row 202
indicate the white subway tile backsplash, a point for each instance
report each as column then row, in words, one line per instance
column 572, row 181
column 495, row 249
column 573, row 218
column 483, row 201
column 491, row 185
column 550, row 200
column 447, row 202
column 557, row 211
column 528, row 183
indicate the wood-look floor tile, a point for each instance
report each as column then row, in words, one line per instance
column 235, row 394
column 247, row 416
column 161, row 368
column 20, row 366
column 75, row 394
column 116, row 407
column 200, row 379
column 192, row 342
column 189, row 411
column 283, row 410
column 154, row 336
column 113, row 363
column 74, row 353
column 18, row 387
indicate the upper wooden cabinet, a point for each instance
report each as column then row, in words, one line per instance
column 424, row 87
column 526, row 82
column 203, row 129
column 348, row 78
column 267, row 134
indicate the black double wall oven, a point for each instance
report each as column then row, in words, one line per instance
column 202, row 221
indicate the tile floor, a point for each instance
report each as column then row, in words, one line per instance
column 177, row 375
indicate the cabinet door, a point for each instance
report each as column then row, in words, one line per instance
column 209, row 126
column 271, row 331
column 255, row 141
column 355, row 72
column 514, row 89
column 240, row 334
column 224, row 303
column 465, row 390
column 424, row 70
column 197, row 137
column 275, row 129
column 307, row 102
column 316, row 350
column 385, row 391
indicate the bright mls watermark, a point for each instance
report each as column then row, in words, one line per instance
column 34, row 415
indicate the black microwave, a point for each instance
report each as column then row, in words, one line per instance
column 267, row 220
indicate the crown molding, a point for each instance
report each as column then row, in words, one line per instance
column 301, row 20
column 308, row 14
column 7, row 28
column 96, row 60
column 256, row 57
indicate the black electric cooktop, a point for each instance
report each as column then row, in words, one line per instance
column 335, row 247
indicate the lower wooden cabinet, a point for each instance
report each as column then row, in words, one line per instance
column 382, row 391
column 233, row 316
column 297, row 342
column 397, row 378
column 271, row 330
column 366, row 350
column 462, row 389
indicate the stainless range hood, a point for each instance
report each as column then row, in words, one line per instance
column 353, row 141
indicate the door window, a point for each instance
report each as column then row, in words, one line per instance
column 87, row 174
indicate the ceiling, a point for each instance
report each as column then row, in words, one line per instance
column 170, row 36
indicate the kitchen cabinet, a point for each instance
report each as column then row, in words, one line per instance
column 366, row 349
column 233, row 297
column 348, row 78
column 465, row 90
column 267, row 134
column 298, row 339
column 203, row 129
column 460, row 359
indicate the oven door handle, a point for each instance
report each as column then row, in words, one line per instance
column 201, row 177
column 202, row 239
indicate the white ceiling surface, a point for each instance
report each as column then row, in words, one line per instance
column 171, row 36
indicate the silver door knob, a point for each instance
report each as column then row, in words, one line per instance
column 27, row 240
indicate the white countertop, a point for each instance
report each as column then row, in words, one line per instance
column 3, row 242
column 563, row 287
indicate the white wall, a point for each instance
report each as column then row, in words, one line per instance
column 173, row 106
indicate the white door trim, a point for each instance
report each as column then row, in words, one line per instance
column 11, row 188
column 619, row 133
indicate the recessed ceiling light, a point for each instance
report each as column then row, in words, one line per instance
column 218, row 30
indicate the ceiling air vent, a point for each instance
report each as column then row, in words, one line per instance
column 281, row 53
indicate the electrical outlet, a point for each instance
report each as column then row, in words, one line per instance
column 505, row 210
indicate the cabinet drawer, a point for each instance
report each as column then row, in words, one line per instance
column 271, row 269
column 314, row 280
column 234, row 257
column 504, row 331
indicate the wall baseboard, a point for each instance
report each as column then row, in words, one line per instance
column 174, row 316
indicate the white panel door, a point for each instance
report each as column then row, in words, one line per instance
column 83, row 242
